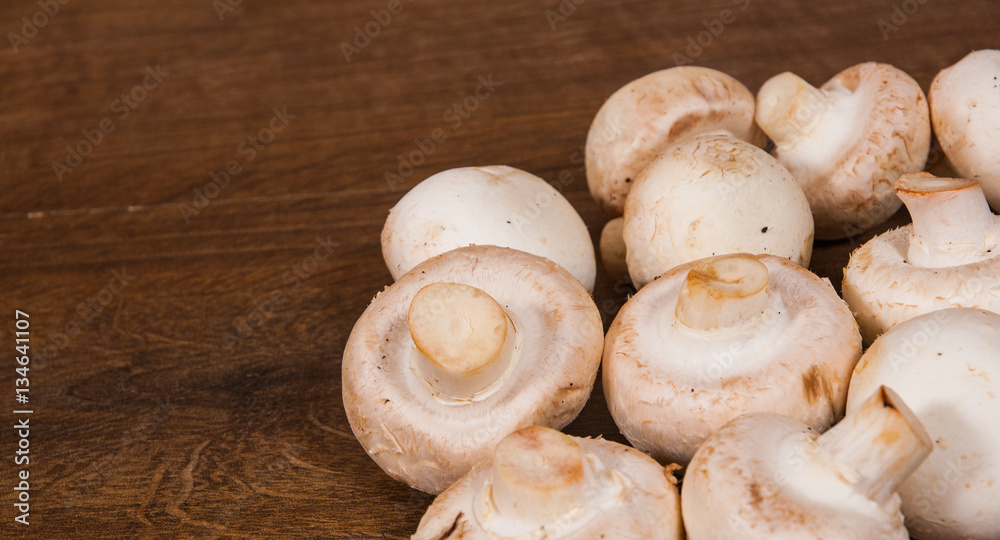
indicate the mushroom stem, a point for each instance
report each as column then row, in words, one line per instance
column 788, row 108
column 723, row 292
column 952, row 223
column 539, row 475
column 462, row 335
column 613, row 249
column 882, row 440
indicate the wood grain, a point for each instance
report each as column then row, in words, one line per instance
column 149, row 421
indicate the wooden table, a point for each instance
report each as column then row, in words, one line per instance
column 187, row 322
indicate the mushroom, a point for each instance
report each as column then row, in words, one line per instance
column 767, row 476
column 650, row 114
column 713, row 195
column 500, row 206
column 723, row 336
column 946, row 365
column 965, row 109
column 464, row 349
column 613, row 251
column 848, row 141
column 948, row 257
column 544, row 484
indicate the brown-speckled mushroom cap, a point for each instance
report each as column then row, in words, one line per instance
column 669, row 386
column 653, row 112
column 623, row 493
column 848, row 141
column 420, row 435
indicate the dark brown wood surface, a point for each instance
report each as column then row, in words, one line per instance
column 153, row 417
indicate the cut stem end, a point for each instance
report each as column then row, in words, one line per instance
column 461, row 333
column 539, row 474
column 788, row 108
column 723, row 292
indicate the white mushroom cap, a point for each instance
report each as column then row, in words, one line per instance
column 848, row 141
column 965, row 109
column 497, row 206
column 948, row 257
column 650, row 114
column 466, row 348
column 544, row 484
column 713, row 195
column 946, row 365
column 716, row 338
column 613, row 250
column 765, row 476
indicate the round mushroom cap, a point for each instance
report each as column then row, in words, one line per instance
column 946, row 366
column 884, row 289
column 648, row 115
column 874, row 125
column 498, row 206
column 965, row 109
column 713, row 195
column 629, row 495
column 429, row 439
column 669, row 386
column 763, row 476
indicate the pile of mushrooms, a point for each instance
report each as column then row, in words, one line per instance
column 732, row 358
